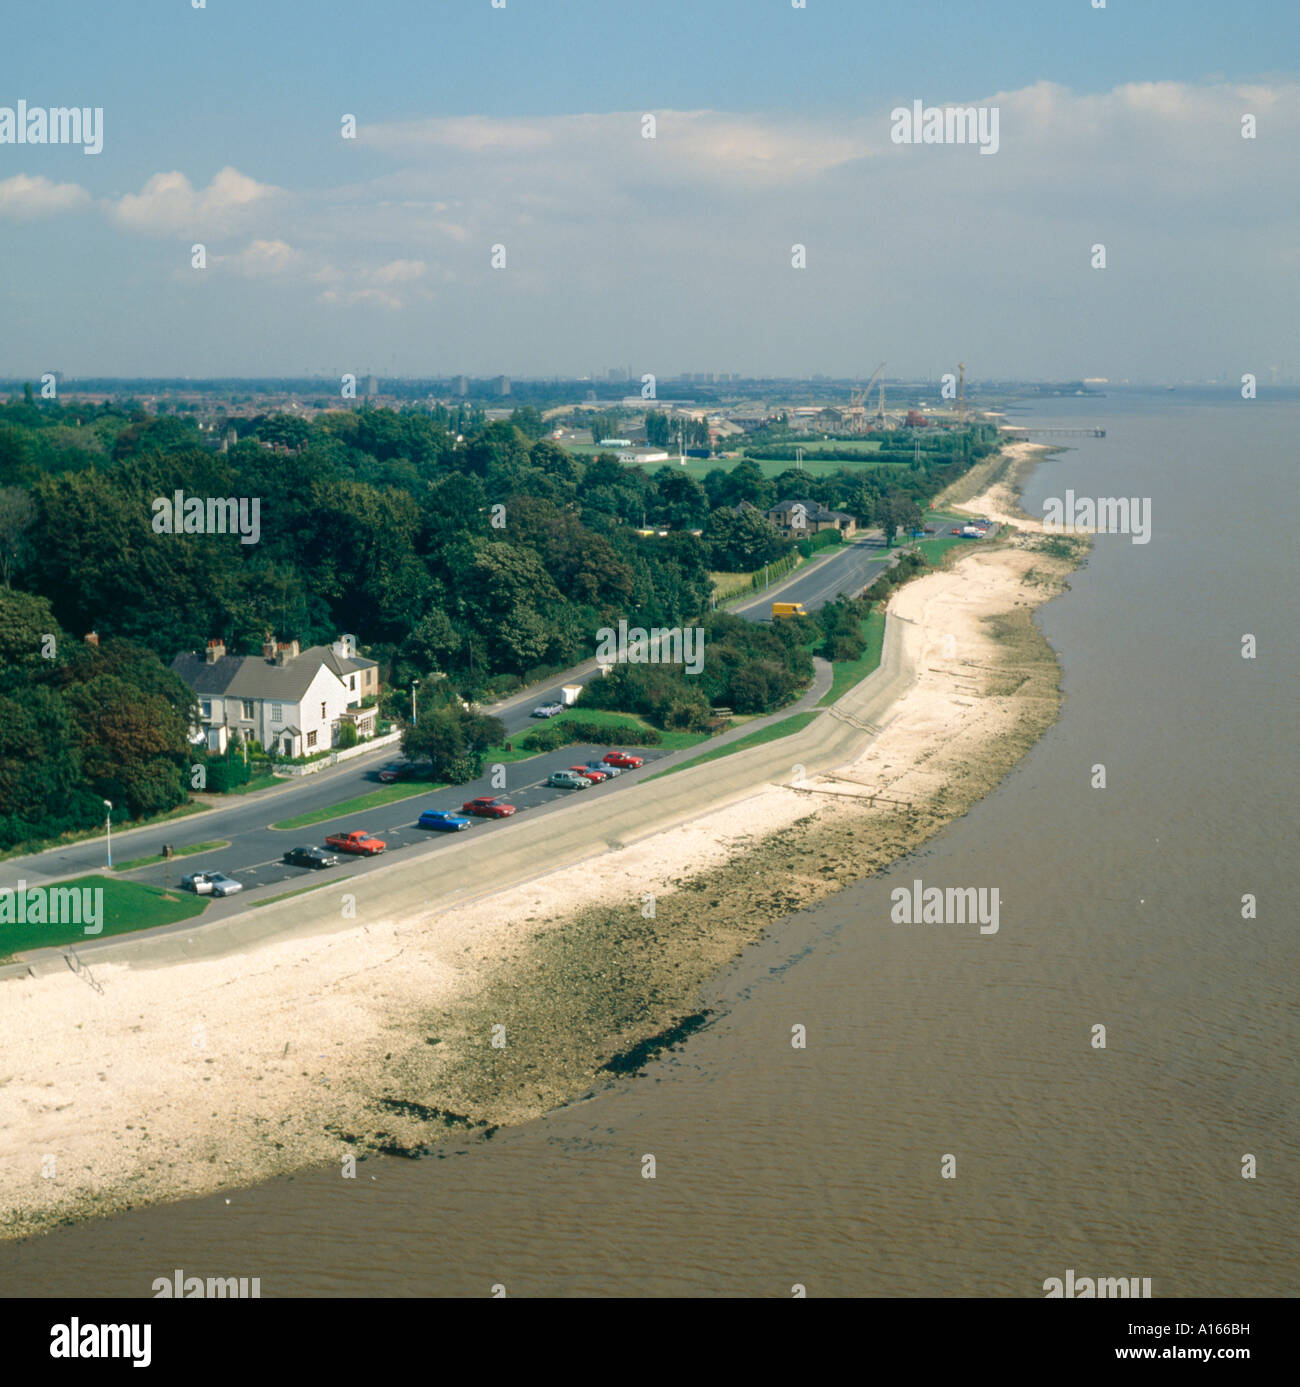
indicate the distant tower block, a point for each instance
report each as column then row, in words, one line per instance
column 372, row 386
column 503, row 385
column 461, row 384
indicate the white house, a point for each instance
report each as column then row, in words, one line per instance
column 293, row 702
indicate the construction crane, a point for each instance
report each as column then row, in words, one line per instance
column 857, row 398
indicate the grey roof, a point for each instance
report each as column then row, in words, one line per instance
column 252, row 676
column 814, row 510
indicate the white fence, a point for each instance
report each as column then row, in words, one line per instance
column 325, row 762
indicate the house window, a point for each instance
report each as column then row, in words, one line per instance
column 248, row 709
column 311, row 739
column 352, row 683
column 277, row 712
column 206, row 706
column 322, row 710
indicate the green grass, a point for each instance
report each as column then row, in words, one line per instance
column 376, row 799
column 933, row 550
column 771, row 733
column 669, row 740
column 127, row 906
column 180, row 852
column 846, row 673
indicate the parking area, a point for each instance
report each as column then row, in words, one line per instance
column 256, row 860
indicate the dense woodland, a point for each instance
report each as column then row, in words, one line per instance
column 444, row 542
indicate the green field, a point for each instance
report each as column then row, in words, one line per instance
column 179, row 852
column 126, row 906
column 846, row 673
column 771, row 733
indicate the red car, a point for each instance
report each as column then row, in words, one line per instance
column 589, row 773
column 488, row 808
column 623, row 760
column 358, row 841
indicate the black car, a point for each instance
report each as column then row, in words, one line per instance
column 404, row 770
column 310, row 857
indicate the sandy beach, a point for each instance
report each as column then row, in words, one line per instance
column 389, row 1031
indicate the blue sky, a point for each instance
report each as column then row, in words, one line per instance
column 372, row 251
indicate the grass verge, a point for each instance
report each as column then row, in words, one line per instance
column 846, row 673
column 771, row 733
column 188, row 851
column 376, row 799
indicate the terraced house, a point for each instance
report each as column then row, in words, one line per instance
column 294, row 702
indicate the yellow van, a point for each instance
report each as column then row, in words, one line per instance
column 781, row 610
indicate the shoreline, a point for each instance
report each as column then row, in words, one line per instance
column 378, row 1035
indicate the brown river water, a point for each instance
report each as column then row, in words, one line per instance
column 821, row 1166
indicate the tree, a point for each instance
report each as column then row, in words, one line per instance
column 742, row 540
column 16, row 516
column 656, row 428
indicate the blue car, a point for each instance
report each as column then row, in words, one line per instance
column 442, row 819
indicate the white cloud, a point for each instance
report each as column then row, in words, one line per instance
column 23, row 197
column 263, row 259
column 169, row 202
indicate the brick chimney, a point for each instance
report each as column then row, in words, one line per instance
column 286, row 651
column 268, row 649
column 92, row 637
column 215, row 651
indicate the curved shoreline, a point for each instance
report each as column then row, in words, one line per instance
column 566, row 962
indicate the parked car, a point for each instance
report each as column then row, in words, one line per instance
column 487, row 807
column 610, row 771
column 547, row 710
column 358, row 841
column 403, row 770
column 222, row 885
column 443, row 820
column 623, row 759
column 594, row 773
column 567, row 780
column 310, row 857
column 957, row 530
column 198, row 882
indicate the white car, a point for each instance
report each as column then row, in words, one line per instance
column 547, row 710
column 200, row 883
column 222, row 885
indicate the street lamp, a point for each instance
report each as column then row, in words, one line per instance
column 108, row 829
column 415, row 714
